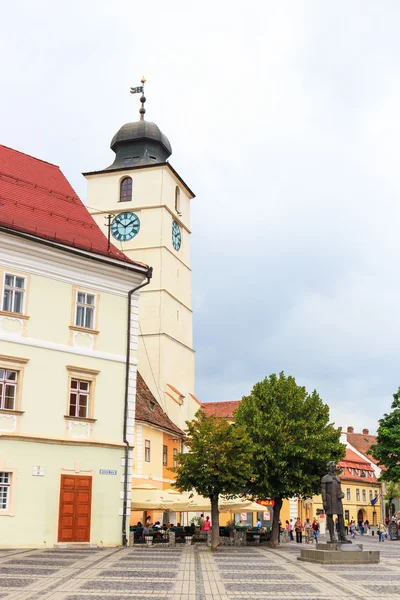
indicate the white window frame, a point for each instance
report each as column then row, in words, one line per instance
column 357, row 495
column 5, row 490
column 86, row 307
column 370, row 495
column 175, row 457
column 11, row 383
column 14, row 289
column 147, row 451
column 364, row 495
column 79, row 392
column 348, row 494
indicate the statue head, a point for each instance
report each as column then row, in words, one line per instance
column 331, row 467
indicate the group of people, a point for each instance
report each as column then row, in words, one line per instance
column 310, row 530
column 205, row 525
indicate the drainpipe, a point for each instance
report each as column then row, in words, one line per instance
column 149, row 275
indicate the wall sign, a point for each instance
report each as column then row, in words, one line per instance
column 38, row 471
column 266, row 502
column 266, row 515
column 107, row 472
column 243, row 516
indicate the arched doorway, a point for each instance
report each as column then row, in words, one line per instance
column 360, row 516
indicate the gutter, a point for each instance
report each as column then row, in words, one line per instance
column 149, row 275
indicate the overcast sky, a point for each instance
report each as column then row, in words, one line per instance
column 284, row 119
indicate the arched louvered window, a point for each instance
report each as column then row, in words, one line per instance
column 125, row 193
column 178, row 200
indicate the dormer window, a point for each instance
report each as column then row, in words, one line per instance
column 178, row 200
column 125, row 194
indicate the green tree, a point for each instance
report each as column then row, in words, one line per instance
column 293, row 439
column 392, row 492
column 387, row 448
column 218, row 462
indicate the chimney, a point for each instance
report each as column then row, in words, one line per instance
column 350, row 429
column 365, row 431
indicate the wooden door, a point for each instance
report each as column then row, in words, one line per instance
column 75, row 508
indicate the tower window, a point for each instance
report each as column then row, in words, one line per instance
column 178, row 200
column 125, row 193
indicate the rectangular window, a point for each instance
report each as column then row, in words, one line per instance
column 348, row 492
column 364, row 496
column 14, row 293
column 8, row 389
column 175, row 457
column 376, row 493
column 5, row 483
column 358, row 495
column 165, row 456
column 370, row 495
column 147, row 450
column 85, row 306
column 79, row 398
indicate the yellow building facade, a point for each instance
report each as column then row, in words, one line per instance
column 66, row 415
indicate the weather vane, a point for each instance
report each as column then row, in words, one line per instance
column 137, row 90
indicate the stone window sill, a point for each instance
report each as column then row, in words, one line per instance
column 6, row 313
column 7, row 411
column 84, row 329
column 84, row 419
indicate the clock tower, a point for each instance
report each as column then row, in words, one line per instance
column 149, row 207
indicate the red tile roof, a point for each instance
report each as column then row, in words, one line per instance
column 221, row 409
column 363, row 442
column 37, row 199
column 149, row 411
column 352, row 463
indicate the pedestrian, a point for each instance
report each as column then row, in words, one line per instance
column 206, row 524
column 366, row 527
column 201, row 521
column 298, row 527
column 352, row 529
column 259, row 524
column 287, row 527
column 291, row 530
column 381, row 532
column 315, row 526
column 308, row 530
column 346, row 526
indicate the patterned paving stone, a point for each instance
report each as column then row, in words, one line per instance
column 46, row 562
column 127, row 585
column 102, row 597
column 256, row 576
column 26, row 571
column 360, row 569
column 141, row 574
column 15, row 583
column 272, row 588
column 383, row 589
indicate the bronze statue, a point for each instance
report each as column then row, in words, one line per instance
column 332, row 502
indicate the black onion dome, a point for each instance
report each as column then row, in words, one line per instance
column 139, row 143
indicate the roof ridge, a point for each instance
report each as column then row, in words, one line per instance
column 46, row 162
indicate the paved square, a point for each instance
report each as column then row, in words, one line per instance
column 193, row 573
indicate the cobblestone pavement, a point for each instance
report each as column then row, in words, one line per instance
column 193, row 573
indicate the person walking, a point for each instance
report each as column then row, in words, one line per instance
column 308, row 530
column 206, row 524
column 315, row 527
column 291, row 530
column 352, row 529
column 346, row 526
column 287, row 527
column 366, row 527
column 298, row 527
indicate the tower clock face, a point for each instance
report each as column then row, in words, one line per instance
column 176, row 235
column 125, row 226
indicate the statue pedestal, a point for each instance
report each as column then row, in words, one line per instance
column 335, row 553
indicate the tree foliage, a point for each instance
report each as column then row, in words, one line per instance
column 218, row 462
column 387, row 448
column 293, row 438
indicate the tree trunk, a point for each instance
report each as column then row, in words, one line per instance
column 274, row 541
column 214, row 521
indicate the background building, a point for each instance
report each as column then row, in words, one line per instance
column 66, row 416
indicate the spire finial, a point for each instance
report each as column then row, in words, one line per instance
column 138, row 90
